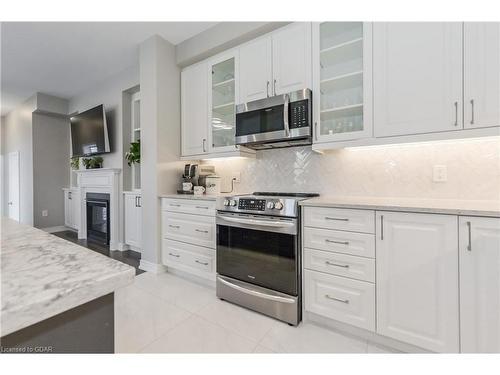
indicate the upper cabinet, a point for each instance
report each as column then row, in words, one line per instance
column 277, row 63
column 223, row 89
column 194, row 107
column 342, row 80
column 417, row 77
column 481, row 74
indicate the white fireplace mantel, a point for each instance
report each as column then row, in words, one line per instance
column 102, row 180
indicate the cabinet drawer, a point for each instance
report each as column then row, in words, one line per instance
column 359, row 244
column 189, row 206
column 340, row 264
column 189, row 258
column 340, row 218
column 339, row 298
column 193, row 229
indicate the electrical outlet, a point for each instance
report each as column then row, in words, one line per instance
column 440, row 173
column 236, row 176
column 45, row 213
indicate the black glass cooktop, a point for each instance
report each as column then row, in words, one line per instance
column 282, row 194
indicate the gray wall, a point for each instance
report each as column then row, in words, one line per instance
column 51, row 152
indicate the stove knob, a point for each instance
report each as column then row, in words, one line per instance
column 278, row 205
column 226, row 202
column 270, row 205
column 232, row 202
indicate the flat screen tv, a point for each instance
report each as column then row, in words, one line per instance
column 89, row 132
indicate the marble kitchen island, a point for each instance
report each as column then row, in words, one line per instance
column 56, row 296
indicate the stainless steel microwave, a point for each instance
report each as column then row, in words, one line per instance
column 279, row 121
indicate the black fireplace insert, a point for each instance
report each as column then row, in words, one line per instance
column 98, row 217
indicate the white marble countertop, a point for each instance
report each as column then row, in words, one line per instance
column 437, row 206
column 44, row 275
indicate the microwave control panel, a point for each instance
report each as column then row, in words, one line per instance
column 252, row 204
column 299, row 116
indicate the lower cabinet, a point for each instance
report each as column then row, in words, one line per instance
column 133, row 220
column 72, row 208
column 417, row 279
column 479, row 284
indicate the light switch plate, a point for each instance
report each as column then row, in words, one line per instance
column 440, row 173
column 236, row 176
column 45, row 213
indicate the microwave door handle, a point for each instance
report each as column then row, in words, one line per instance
column 286, row 116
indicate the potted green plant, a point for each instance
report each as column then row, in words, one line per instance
column 75, row 162
column 134, row 153
column 93, row 163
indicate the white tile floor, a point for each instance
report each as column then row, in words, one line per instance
column 168, row 314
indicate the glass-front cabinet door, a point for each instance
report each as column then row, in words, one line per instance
column 223, row 87
column 342, row 75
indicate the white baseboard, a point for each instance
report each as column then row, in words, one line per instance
column 60, row 228
column 122, row 247
column 152, row 267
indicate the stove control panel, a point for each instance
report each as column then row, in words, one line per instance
column 252, row 204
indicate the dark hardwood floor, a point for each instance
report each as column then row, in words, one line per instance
column 129, row 257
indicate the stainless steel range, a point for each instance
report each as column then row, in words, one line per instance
column 258, row 253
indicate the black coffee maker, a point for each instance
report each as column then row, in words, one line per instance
column 189, row 179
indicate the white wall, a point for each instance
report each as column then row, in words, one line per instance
column 17, row 136
column 381, row 171
column 160, row 131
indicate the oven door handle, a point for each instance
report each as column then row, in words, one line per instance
column 274, row 224
column 255, row 292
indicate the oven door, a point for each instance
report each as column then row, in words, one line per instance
column 260, row 250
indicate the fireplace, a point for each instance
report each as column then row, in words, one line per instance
column 98, row 217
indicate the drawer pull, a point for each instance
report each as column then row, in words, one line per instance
column 336, row 218
column 175, row 205
column 337, row 299
column 203, row 263
column 337, row 242
column 174, row 255
column 201, row 231
column 337, row 265
column 204, row 207
column 174, row 226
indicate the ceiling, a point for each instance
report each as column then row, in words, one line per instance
column 66, row 58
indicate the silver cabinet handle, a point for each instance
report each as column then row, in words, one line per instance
column 175, row 205
column 136, row 204
column 203, row 263
column 336, row 265
column 382, row 227
column 336, row 218
column 139, row 200
column 469, row 227
column 174, row 255
column 201, row 231
column 336, row 299
column 472, row 113
column 267, row 89
column 316, row 130
column 174, row 226
column 204, row 207
column 204, row 145
column 456, row 113
column 337, row 242
column 275, row 87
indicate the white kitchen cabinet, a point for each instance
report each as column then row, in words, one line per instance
column 292, row 58
column 256, row 71
column 72, row 208
column 481, row 74
column 133, row 220
column 342, row 80
column 417, row 279
column 479, row 284
column 417, row 77
column 276, row 63
column 194, row 107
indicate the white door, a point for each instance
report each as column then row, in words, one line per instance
column 131, row 220
column 256, row 70
column 138, row 221
column 417, row 77
column 479, row 284
column 194, row 106
column 14, row 185
column 292, row 58
column 75, row 209
column 68, row 209
column 481, row 74
column 417, row 279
